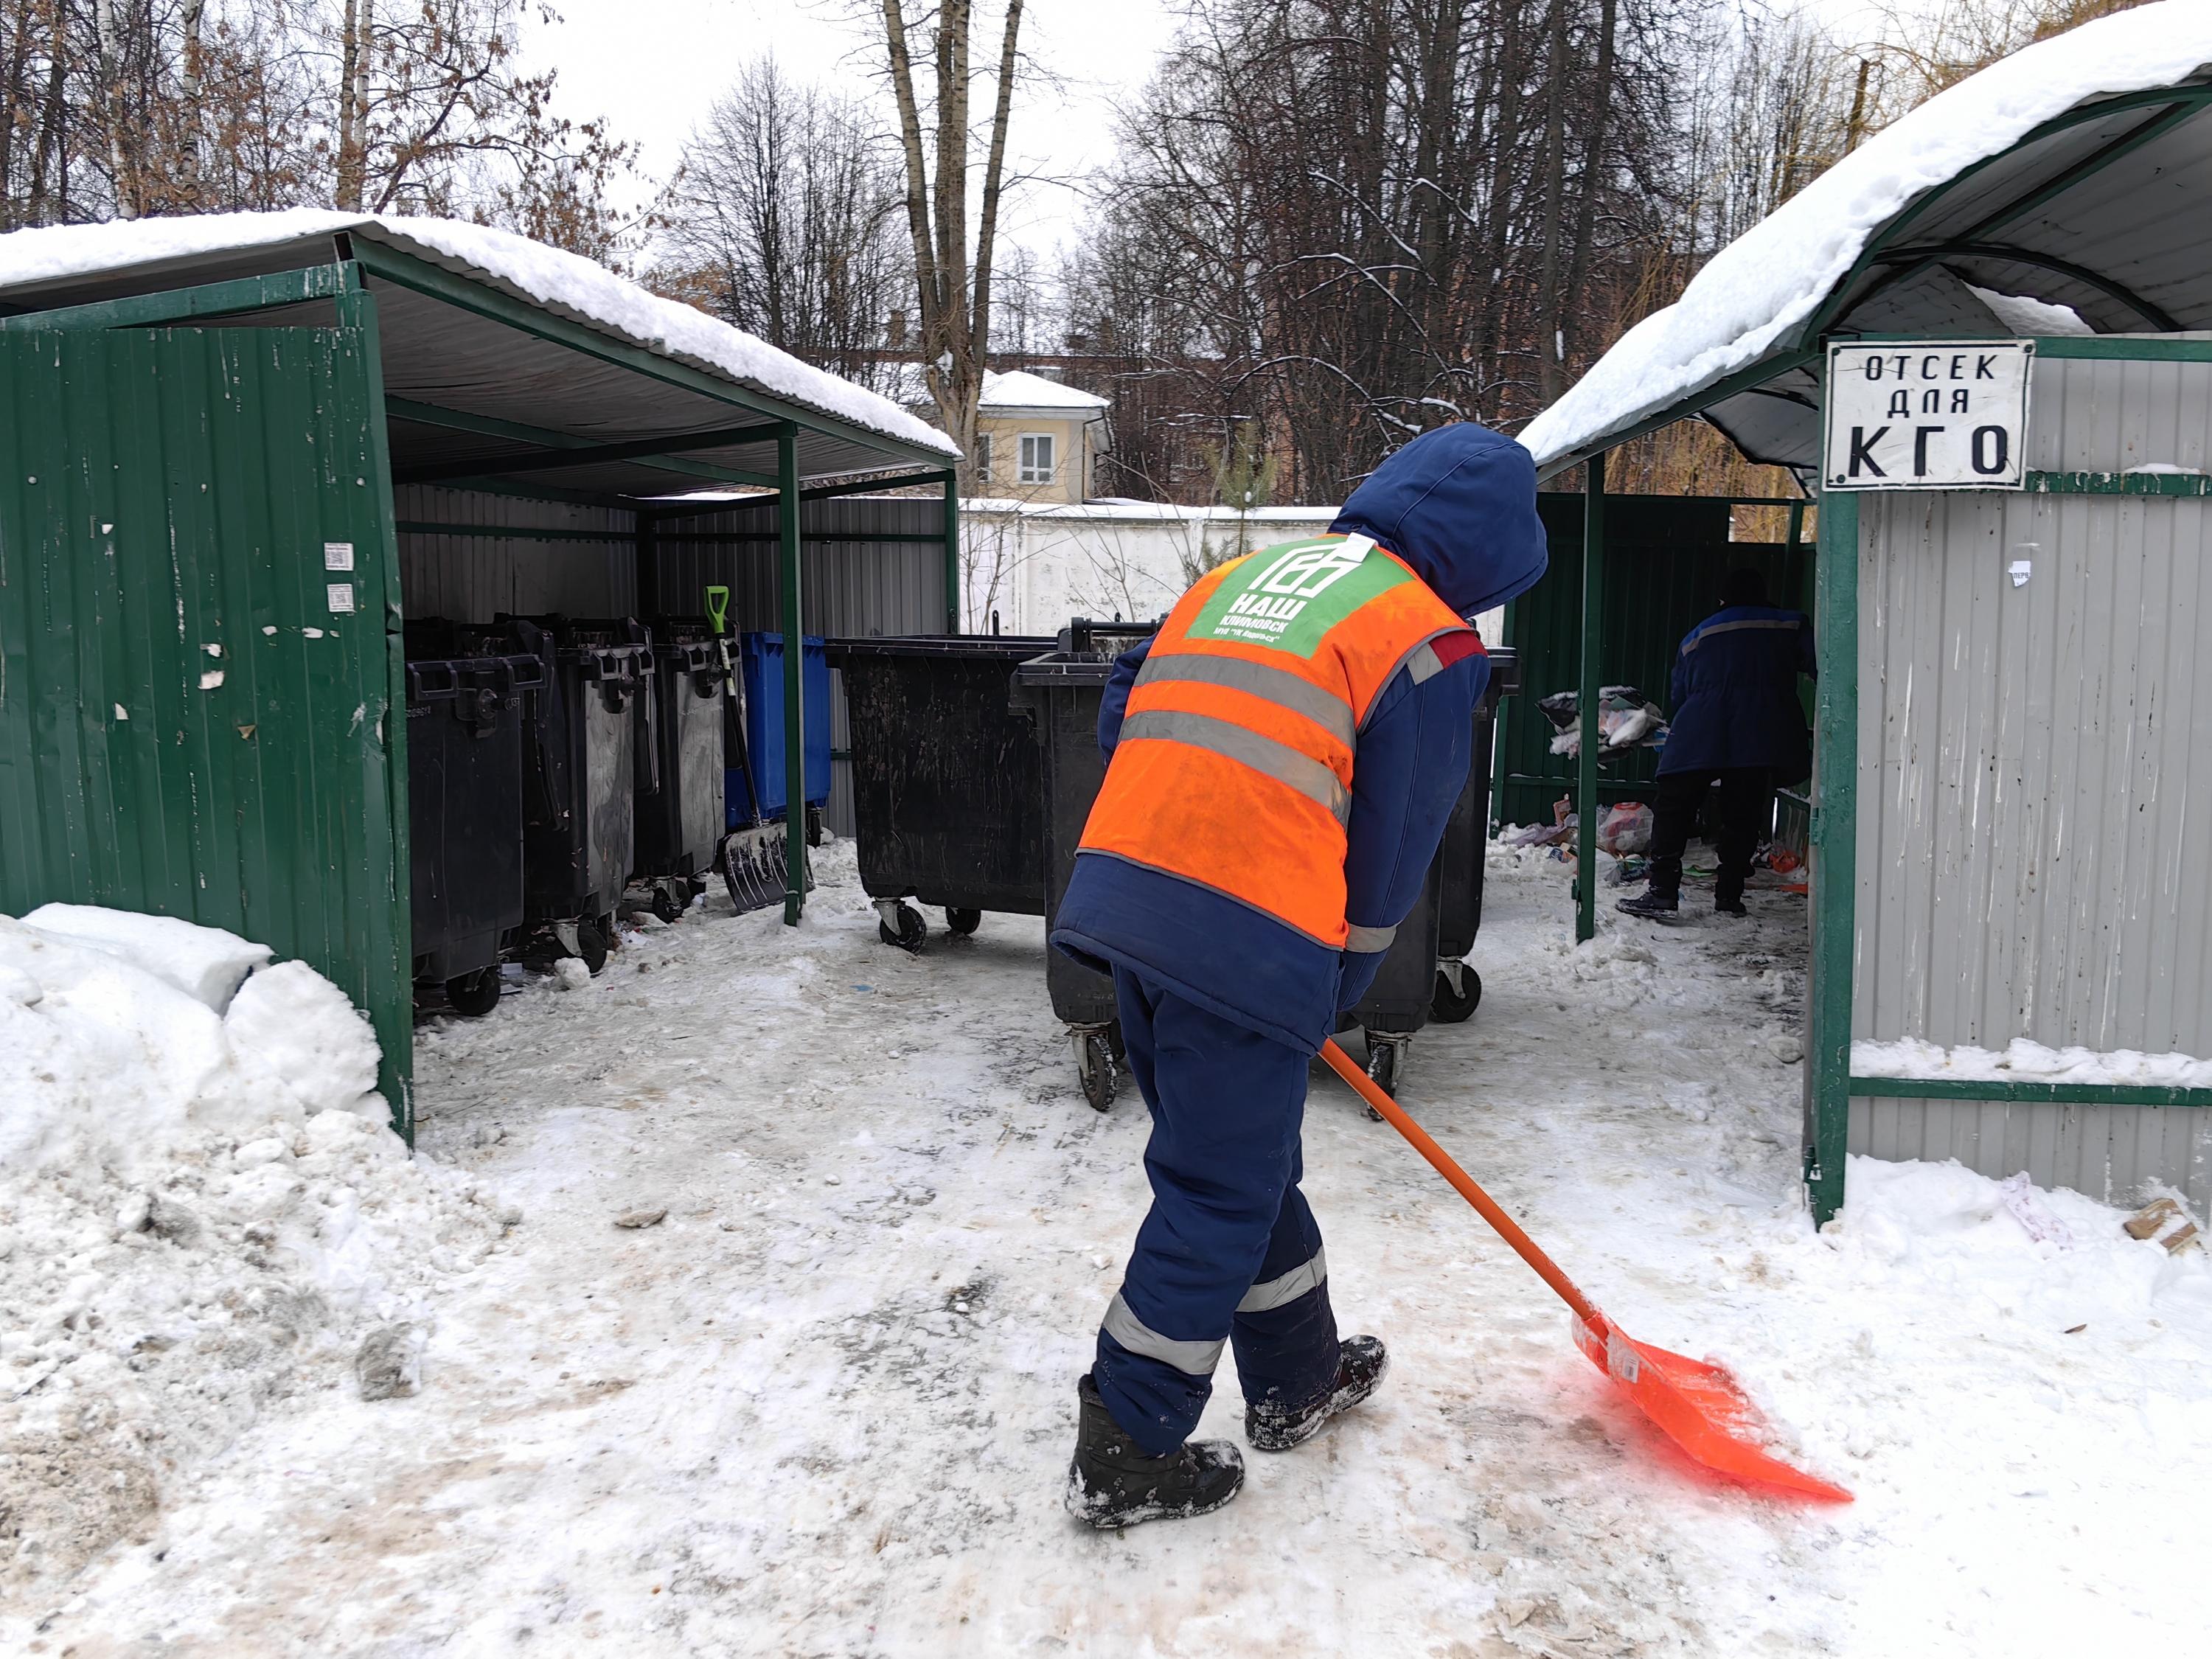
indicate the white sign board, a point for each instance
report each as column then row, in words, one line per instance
column 1928, row 415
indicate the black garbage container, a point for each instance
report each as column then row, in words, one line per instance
column 1460, row 859
column 1064, row 688
column 948, row 778
column 466, row 723
column 679, row 795
column 579, row 815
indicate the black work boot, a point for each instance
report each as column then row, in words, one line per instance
column 1649, row 902
column 1113, row 1484
column 1361, row 1363
column 1728, row 895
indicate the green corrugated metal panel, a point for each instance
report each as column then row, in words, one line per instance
column 162, row 493
column 1664, row 559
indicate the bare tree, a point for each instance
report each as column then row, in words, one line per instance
column 120, row 108
column 952, row 280
column 783, row 219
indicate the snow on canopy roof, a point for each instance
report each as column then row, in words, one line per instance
column 1747, row 302
column 565, row 283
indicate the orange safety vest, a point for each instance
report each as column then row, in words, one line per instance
column 1235, row 763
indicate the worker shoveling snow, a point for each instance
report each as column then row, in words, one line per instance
column 202, row 1210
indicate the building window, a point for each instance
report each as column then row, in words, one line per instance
column 1038, row 464
column 983, row 457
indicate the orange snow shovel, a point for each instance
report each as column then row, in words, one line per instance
column 1699, row 1405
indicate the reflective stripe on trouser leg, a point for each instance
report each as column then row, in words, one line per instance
column 1286, row 1328
column 1225, row 1105
column 1191, row 1358
column 1270, row 1293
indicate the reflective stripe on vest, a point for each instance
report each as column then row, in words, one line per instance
column 1311, row 778
column 1235, row 764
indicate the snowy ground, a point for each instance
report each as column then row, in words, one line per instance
column 823, row 1408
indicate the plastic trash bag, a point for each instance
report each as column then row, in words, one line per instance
column 1624, row 828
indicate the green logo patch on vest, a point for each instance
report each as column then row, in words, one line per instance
column 1288, row 598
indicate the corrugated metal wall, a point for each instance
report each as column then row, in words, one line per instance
column 2032, row 785
column 189, row 724
column 472, row 578
column 848, row 588
column 1665, row 557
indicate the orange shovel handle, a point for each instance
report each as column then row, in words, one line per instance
column 1508, row 1228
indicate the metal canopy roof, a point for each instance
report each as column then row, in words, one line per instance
column 484, row 385
column 2102, row 208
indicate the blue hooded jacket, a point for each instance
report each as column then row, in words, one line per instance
column 1458, row 505
column 1735, row 694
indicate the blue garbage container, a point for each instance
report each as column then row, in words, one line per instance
column 760, row 666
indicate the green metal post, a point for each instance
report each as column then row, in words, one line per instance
column 795, row 658
column 1586, row 779
column 1834, row 843
column 952, row 553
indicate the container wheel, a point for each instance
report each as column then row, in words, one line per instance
column 963, row 922
column 666, row 905
column 1095, row 1068
column 1449, row 1006
column 592, row 946
column 1382, row 1066
column 912, row 930
column 1114, row 1045
column 474, row 995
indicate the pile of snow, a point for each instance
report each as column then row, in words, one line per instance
column 567, row 284
column 1753, row 294
column 2024, row 1061
column 202, row 1207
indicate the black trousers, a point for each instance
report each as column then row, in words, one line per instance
column 1746, row 813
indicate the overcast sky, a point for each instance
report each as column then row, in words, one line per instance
column 653, row 66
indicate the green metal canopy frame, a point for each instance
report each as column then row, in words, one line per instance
column 344, row 285
column 1830, row 1085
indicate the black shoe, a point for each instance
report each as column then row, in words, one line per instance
column 1730, row 908
column 1361, row 1363
column 1112, row 1484
column 1648, row 903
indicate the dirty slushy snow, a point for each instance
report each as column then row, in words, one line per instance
column 823, row 1406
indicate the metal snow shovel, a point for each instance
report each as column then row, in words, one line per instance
column 1698, row 1404
column 751, row 859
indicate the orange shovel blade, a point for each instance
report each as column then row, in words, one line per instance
column 1699, row 1406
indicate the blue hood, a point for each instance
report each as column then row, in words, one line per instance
column 1458, row 505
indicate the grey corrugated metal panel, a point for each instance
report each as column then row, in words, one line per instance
column 472, row 578
column 2030, row 790
column 852, row 589
column 2106, row 416
column 2028, row 781
column 2111, row 1153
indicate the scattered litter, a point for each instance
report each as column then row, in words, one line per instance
column 2164, row 1221
column 570, row 973
column 1624, row 827
column 389, row 1365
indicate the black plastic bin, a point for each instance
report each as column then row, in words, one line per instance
column 1063, row 689
column 580, row 814
column 948, row 778
column 1460, row 859
column 1422, row 976
column 679, row 796
column 466, row 718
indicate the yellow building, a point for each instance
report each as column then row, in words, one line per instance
column 1036, row 440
